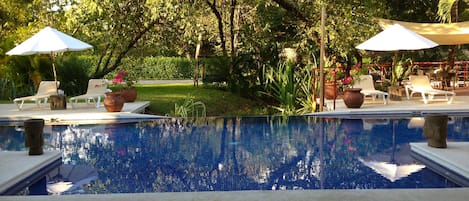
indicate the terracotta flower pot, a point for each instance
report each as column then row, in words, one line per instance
column 113, row 102
column 129, row 94
column 330, row 91
column 353, row 98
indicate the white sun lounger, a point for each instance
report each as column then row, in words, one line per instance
column 368, row 88
column 421, row 84
column 45, row 89
column 96, row 90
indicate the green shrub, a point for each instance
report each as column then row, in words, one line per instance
column 24, row 73
column 7, row 89
column 72, row 72
column 216, row 69
column 159, row 68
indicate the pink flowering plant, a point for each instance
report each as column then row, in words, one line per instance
column 123, row 78
column 354, row 75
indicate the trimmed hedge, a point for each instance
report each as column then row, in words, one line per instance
column 176, row 68
column 161, row 68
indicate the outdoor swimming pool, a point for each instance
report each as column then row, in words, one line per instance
column 251, row 153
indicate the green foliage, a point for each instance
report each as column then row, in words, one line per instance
column 401, row 70
column 158, row 68
column 190, row 108
column 7, row 89
column 72, row 72
column 305, row 99
column 215, row 69
column 444, row 10
column 166, row 68
column 127, row 24
column 281, row 85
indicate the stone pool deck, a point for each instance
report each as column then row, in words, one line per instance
column 412, row 107
column 81, row 114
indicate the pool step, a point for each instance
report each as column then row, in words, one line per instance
column 18, row 170
column 451, row 162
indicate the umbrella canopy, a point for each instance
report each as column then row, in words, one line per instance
column 395, row 38
column 48, row 41
column 454, row 33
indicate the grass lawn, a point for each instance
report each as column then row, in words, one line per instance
column 162, row 98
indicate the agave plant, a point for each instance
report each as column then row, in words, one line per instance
column 280, row 85
column 190, row 108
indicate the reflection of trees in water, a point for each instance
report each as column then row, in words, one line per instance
column 11, row 139
column 228, row 153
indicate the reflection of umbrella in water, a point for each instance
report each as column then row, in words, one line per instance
column 395, row 165
column 390, row 171
column 49, row 41
column 70, row 177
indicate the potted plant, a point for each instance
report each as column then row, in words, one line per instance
column 122, row 86
column 125, row 81
column 352, row 96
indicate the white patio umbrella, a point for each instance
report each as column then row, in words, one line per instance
column 396, row 38
column 49, row 41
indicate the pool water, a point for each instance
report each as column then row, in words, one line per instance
column 250, row 153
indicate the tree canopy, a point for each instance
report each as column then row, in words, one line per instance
column 247, row 36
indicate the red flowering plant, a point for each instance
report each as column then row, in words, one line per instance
column 123, row 79
column 354, row 75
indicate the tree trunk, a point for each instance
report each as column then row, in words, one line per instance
column 101, row 72
column 232, row 39
column 221, row 33
column 453, row 48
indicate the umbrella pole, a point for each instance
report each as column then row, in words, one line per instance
column 55, row 72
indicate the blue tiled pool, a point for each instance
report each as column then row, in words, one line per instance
column 251, row 153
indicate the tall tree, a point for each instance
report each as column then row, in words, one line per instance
column 116, row 27
column 348, row 22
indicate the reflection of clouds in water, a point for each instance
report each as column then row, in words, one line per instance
column 75, row 141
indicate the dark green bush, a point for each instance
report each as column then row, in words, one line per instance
column 7, row 89
column 216, row 69
column 24, row 73
column 72, row 72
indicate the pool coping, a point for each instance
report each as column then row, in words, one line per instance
column 447, row 194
